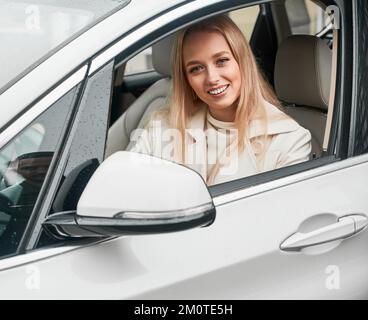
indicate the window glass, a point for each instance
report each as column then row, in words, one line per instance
column 142, row 62
column 305, row 16
column 24, row 163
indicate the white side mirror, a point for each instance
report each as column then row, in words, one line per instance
column 132, row 193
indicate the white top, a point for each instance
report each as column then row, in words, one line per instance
column 287, row 143
column 220, row 135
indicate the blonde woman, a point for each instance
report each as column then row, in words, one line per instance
column 222, row 118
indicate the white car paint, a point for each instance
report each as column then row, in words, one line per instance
column 228, row 260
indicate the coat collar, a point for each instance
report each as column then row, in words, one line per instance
column 277, row 123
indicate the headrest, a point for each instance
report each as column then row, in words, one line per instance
column 303, row 71
column 161, row 55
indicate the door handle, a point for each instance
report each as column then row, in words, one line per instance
column 345, row 227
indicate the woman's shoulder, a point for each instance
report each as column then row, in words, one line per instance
column 279, row 122
column 271, row 121
column 286, row 132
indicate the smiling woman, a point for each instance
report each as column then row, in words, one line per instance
column 222, row 118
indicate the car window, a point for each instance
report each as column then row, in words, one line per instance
column 24, row 163
column 305, row 16
column 312, row 115
column 305, row 107
column 142, row 62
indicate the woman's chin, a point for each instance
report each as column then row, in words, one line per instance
column 221, row 105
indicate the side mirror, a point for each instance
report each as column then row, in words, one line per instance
column 132, row 193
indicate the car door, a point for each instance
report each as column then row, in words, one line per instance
column 243, row 254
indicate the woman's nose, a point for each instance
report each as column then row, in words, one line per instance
column 213, row 76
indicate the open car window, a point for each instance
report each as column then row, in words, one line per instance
column 139, row 96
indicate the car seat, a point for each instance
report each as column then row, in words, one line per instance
column 302, row 83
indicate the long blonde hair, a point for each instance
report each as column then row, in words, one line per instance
column 254, row 88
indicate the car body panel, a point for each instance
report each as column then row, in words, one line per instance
column 227, row 260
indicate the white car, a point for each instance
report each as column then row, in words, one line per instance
column 81, row 217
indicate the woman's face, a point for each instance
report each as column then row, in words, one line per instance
column 212, row 72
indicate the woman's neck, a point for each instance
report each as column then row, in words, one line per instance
column 225, row 115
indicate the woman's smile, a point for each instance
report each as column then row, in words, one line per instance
column 219, row 91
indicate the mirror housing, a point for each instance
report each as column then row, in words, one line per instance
column 132, row 193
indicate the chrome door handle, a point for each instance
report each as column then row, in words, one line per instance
column 345, row 227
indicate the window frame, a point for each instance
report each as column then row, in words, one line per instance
column 359, row 132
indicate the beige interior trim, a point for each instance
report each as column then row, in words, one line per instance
column 331, row 100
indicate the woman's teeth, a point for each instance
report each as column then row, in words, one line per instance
column 218, row 91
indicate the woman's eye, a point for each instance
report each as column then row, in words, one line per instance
column 222, row 61
column 195, row 69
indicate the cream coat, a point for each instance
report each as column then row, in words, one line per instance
column 287, row 143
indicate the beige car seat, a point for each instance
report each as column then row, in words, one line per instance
column 302, row 83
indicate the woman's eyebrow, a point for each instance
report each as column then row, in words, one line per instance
column 214, row 56
column 220, row 54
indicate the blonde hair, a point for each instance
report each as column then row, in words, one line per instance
column 254, row 88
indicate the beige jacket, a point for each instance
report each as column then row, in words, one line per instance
column 287, row 143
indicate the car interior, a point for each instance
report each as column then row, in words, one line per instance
column 298, row 66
